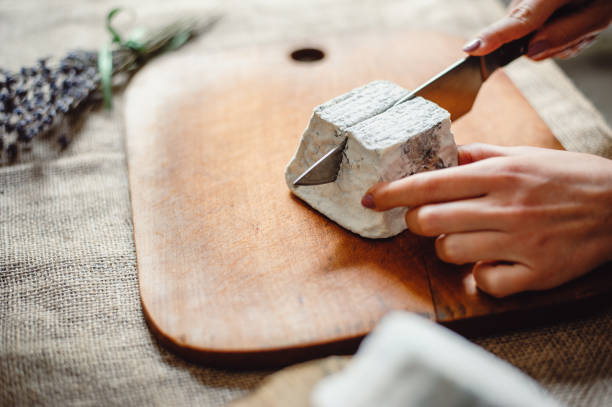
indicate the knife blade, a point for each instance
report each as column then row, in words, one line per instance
column 454, row 89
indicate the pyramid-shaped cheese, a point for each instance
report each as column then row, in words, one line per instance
column 385, row 143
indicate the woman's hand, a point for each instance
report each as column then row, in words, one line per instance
column 573, row 26
column 529, row 218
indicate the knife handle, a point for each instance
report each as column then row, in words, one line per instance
column 505, row 54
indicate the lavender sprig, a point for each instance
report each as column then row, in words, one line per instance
column 34, row 100
column 38, row 100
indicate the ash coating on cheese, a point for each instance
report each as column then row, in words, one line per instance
column 385, row 143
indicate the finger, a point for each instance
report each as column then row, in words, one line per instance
column 570, row 30
column 574, row 50
column 470, row 180
column 569, row 51
column 470, row 247
column 526, row 17
column 452, row 217
column 447, row 184
column 503, row 279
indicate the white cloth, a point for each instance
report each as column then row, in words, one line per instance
column 410, row 361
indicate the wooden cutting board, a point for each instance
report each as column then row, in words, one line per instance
column 234, row 270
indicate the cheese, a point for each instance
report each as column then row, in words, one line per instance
column 384, row 143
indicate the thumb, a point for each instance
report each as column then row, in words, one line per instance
column 470, row 153
column 570, row 31
column 502, row 279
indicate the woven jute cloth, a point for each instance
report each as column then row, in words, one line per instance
column 71, row 326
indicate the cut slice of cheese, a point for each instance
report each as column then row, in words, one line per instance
column 384, row 143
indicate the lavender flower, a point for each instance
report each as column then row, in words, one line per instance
column 31, row 98
column 43, row 98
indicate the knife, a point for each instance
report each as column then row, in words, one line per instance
column 453, row 89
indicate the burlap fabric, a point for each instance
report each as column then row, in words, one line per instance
column 72, row 331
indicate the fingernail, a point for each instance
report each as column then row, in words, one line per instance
column 472, row 45
column 537, row 48
column 368, row 201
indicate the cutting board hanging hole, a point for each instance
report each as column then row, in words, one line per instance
column 307, row 55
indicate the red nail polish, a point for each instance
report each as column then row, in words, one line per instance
column 472, row 45
column 368, row 201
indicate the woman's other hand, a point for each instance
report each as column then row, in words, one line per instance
column 529, row 218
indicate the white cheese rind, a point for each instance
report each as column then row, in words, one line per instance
column 385, row 143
